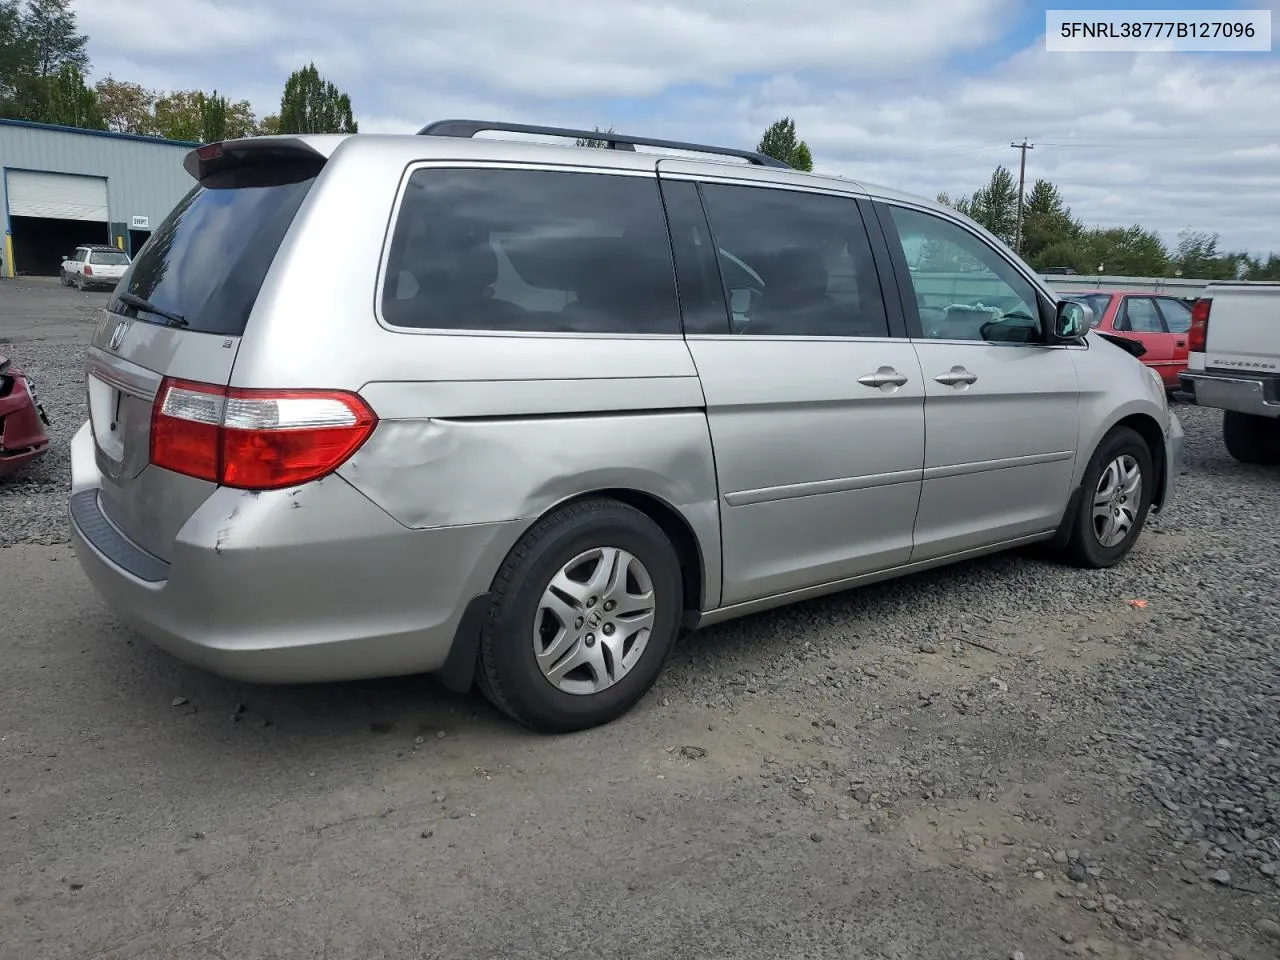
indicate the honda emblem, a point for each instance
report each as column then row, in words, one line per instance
column 117, row 335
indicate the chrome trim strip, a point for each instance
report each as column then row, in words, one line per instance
column 123, row 375
column 1004, row 463
column 745, row 498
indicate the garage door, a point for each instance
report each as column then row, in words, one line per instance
column 57, row 196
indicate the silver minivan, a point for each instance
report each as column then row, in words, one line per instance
column 516, row 414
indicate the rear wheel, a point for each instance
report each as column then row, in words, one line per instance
column 1252, row 439
column 1118, row 489
column 585, row 611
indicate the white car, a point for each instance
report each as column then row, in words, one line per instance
column 94, row 265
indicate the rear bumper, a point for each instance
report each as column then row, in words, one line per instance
column 1256, row 395
column 292, row 586
column 22, row 434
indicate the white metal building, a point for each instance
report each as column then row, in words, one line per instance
column 62, row 186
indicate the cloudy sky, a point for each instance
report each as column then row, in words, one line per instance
column 925, row 95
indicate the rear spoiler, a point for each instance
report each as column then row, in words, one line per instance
column 225, row 154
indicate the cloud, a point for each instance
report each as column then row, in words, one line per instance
column 921, row 95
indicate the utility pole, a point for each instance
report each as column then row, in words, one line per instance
column 1022, row 180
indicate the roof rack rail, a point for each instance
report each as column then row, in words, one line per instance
column 615, row 141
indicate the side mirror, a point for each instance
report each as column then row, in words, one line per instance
column 1073, row 320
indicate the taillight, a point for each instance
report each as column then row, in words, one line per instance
column 1198, row 335
column 256, row 439
column 88, row 270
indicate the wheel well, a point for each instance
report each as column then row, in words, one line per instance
column 1147, row 428
column 677, row 530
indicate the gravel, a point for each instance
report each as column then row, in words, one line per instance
column 1011, row 717
column 44, row 329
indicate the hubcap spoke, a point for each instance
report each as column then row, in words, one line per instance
column 558, row 647
column 593, row 621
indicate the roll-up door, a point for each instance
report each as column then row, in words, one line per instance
column 57, row 196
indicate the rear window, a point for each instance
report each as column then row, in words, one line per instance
column 109, row 258
column 207, row 260
column 531, row 251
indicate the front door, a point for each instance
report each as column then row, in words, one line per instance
column 1000, row 406
column 815, row 408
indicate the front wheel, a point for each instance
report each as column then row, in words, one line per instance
column 1118, row 489
column 585, row 609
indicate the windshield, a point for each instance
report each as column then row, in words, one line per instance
column 207, row 261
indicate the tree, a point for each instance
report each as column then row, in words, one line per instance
column 311, row 104
column 126, row 107
column 995, row 206
column 780, row 142
column 1046, row 221
column 593, row 142
column 50, row 29
column 213, row 117
column 15, row 56
column 70, row 103
column 801, row 158
column 179, row 115
column 268, row 126
column 962, row 205
column 240, row 120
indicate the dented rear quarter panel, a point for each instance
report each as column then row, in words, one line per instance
column 460, row 461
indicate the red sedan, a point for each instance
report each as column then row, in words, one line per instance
column 22, row 419
column 1159, row 322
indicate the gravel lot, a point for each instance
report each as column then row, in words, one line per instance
column 1007, row 758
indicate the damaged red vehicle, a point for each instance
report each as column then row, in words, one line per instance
column 22, row 419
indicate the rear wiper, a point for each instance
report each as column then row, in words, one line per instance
column 142, row 303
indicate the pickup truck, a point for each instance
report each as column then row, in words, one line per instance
column 1234, row 365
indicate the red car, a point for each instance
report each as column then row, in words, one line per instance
column 22, row 419
column 1159, row 322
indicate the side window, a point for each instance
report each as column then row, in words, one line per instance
column 1140, row 316
column 795, row 264
column 531, row 251
column 1177, row 315
column 964, row 289
column 702, row 302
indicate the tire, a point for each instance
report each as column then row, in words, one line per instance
column 1251, row 439
column 1087, row 547
column 62, row 278
column 599, row 531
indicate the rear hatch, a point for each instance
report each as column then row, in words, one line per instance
column 106, row 265
column 179, row 312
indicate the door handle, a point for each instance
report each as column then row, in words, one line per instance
column 884, row 377
column 1182, row 343
column 955, row 376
